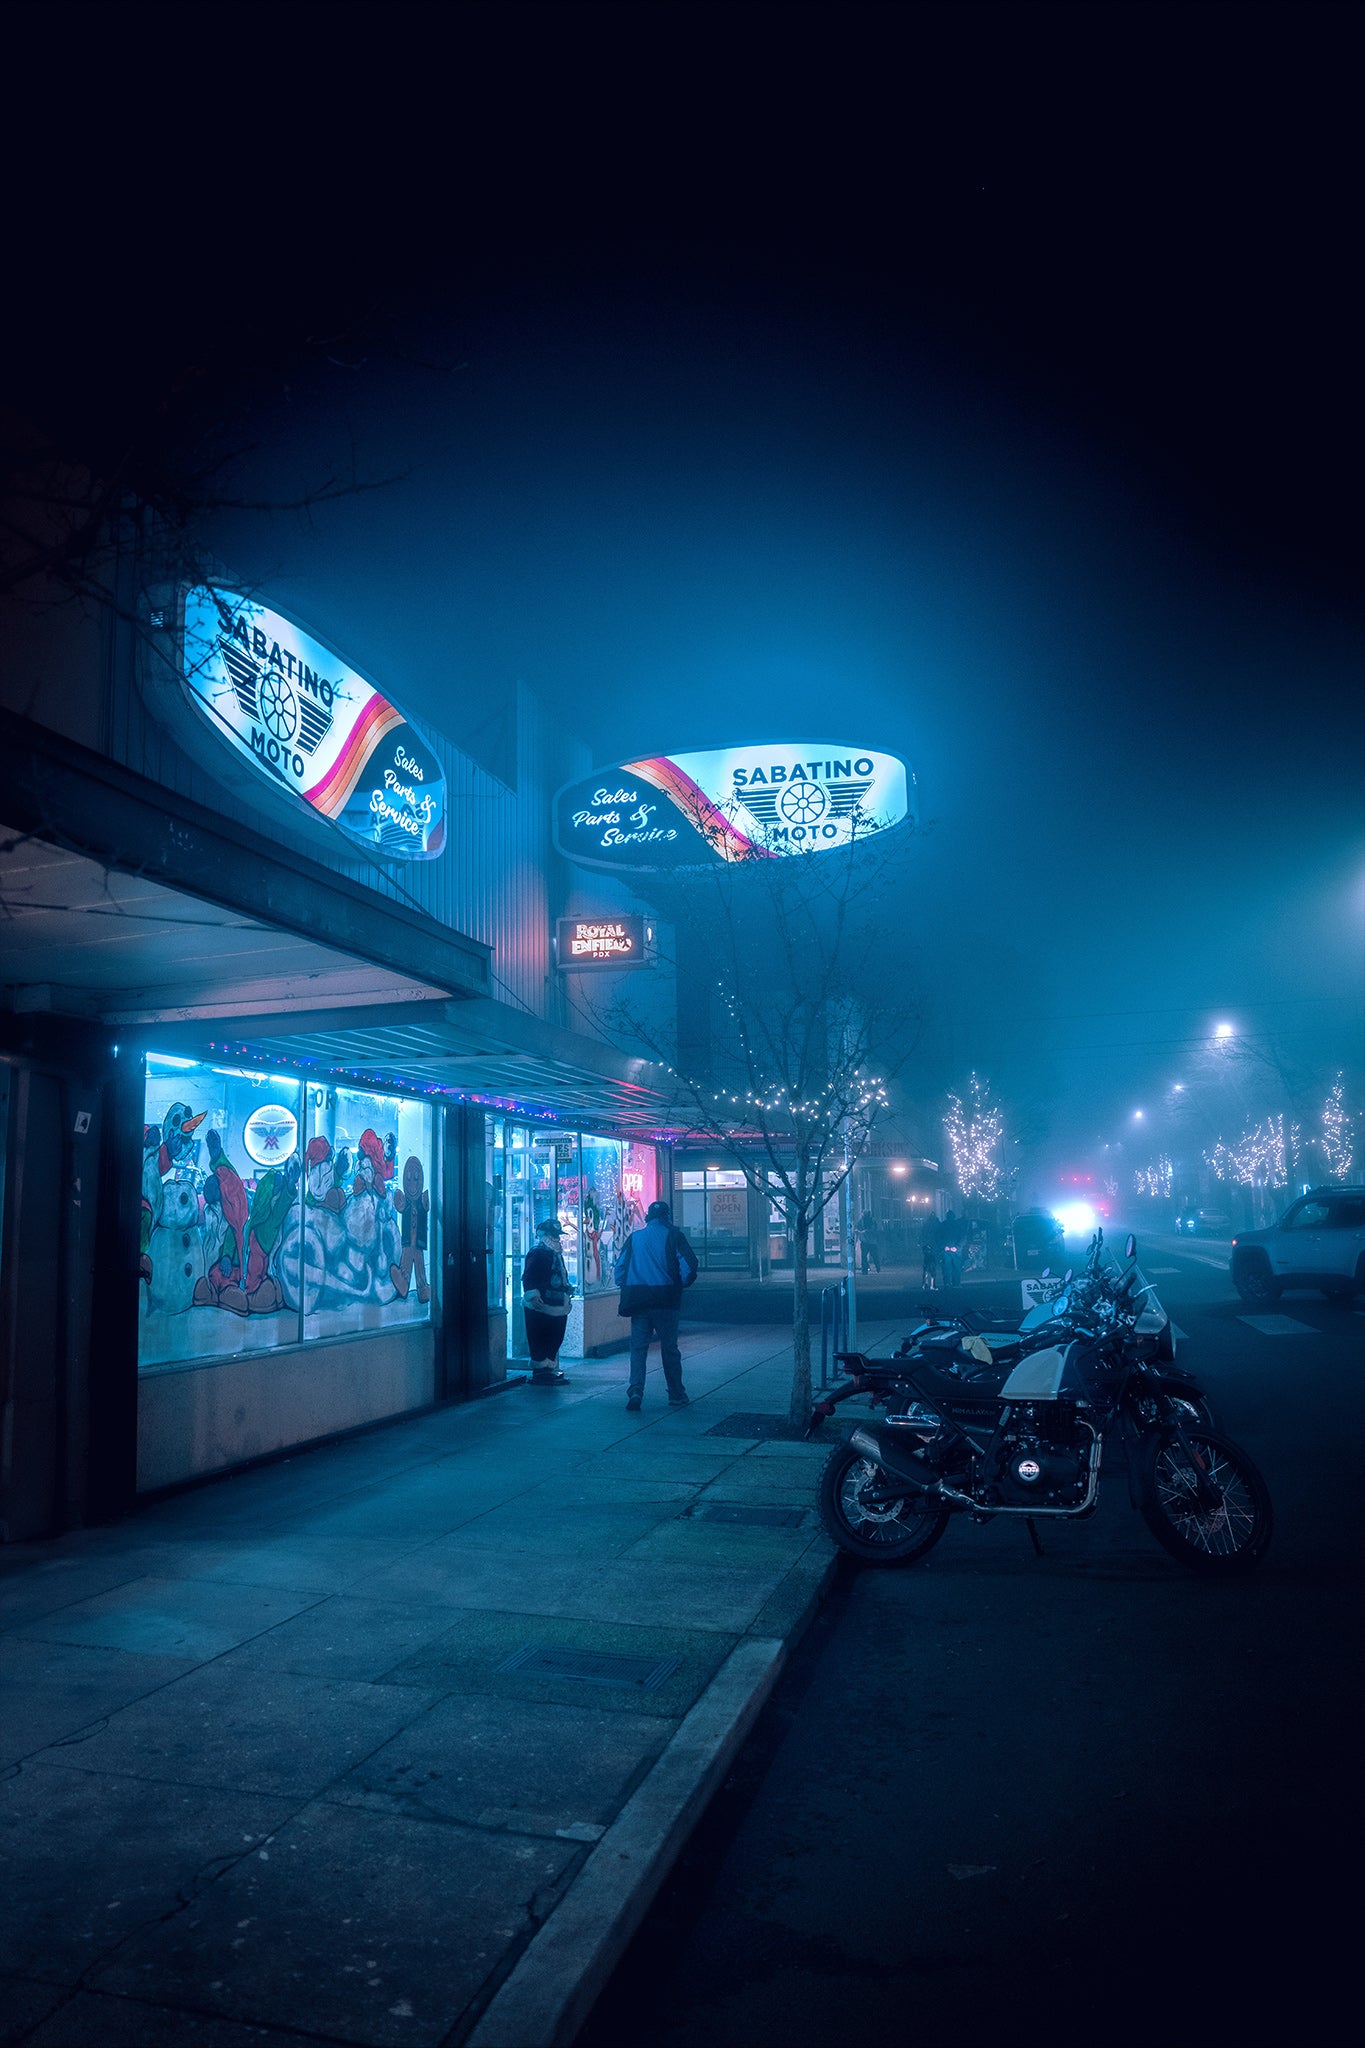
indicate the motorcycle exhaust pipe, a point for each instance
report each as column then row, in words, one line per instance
column 898, row 1463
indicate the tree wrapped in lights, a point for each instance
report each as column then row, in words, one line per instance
column 1338, row 1132
column 975, row 1130
column 1262, row 1159
column 799, row 1018
column 1155, row 1180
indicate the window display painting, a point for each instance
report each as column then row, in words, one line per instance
column 359, row 1259
column 268, row 1217
column 215, row 1216
column 619, row 1182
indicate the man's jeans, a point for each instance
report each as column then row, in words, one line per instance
column 663, row 1324
column 952, row 1269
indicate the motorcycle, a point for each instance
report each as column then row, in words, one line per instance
column 983, row 1354
column 1030, row 1445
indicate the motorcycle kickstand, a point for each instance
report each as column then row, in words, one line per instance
column 1032, row 1528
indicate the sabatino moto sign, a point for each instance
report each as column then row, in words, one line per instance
column 738, row 803
column 312, row 726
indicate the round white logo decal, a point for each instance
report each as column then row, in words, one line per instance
column 271, row 1133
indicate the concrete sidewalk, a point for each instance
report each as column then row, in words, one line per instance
column 393, row 1742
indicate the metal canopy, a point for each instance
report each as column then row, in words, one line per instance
column 478, row 1050
column 85, row 940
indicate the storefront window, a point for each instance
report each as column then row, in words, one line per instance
column 364, row 1257
column 273, row 1213
column 495, row 1205
column 713, row 1210
column 602, row 1210
column 221, row 1180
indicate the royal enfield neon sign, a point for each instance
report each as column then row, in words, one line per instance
column 312, row 726
column 596, row 942
column 735, row 804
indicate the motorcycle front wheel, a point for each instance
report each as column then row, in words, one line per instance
column 894, row 1532
column 1219, row 1539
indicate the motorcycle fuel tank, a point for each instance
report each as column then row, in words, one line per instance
column 1042, row 1376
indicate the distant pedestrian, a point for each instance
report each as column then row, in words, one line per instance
column 546, row 1294
column 655, row 1265
column 868, row 1242
column 952, row 1237
column 929, row 1256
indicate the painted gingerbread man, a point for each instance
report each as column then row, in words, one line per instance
column 413, row 1204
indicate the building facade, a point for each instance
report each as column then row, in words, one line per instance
column 287, row 1072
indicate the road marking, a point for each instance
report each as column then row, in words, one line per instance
column 1279, row 1326
column 1163, row 1269
column 1204, row 1260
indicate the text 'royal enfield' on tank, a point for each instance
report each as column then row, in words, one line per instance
column 1023, row 1434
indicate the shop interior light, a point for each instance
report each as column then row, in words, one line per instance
column 169, row 1059
column 897, row 1167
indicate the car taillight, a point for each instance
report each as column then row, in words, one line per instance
column 1234, row 1240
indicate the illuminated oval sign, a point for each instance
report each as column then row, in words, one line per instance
column 312, row 726
column 737, row 803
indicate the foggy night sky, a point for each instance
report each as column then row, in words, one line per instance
column 974, row 383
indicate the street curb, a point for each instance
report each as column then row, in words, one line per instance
column 555, row 1984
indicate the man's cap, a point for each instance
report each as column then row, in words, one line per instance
column 658, row 1212
column 552, row 1223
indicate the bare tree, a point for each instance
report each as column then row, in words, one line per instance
column 802, row 1018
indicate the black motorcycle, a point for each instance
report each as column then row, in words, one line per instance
column 1031, row 1446
column 982, row 1353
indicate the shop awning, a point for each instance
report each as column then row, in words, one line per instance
column 109, row 884
column 479, row 1050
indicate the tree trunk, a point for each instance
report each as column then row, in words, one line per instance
column 798, row 1412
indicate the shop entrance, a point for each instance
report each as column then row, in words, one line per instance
column 713, row 1211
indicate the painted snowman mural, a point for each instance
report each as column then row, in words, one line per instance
column 176, row 1252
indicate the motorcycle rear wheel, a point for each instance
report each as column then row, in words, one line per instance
column 896, row 1533
column 1219, row 1542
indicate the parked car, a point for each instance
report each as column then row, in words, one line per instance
column 1318, row 1242
column 1038, row 1241
column 1204, row 1223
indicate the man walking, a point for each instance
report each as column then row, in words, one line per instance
column 651, row 1272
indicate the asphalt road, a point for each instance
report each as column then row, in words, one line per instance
column 1047, row 1800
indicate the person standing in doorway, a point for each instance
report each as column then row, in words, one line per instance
column 546, row 1292
column 655, row 1265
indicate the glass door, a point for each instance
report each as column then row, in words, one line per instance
column 543, row 1180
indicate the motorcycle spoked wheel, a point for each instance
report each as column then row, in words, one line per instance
column 896, row 1533
column 1218, row 1542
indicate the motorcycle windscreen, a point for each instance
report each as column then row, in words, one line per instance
column 1039, row 1377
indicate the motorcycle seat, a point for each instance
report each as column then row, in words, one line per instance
column 934, row 1384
